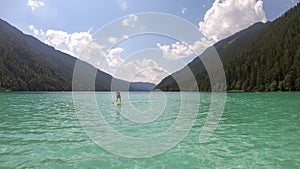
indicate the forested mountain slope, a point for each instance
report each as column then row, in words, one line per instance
column 264, row 57
column 27, row 64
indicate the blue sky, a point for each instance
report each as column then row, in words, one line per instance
column 125, row 50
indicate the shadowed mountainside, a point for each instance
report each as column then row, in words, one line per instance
column 26, row 64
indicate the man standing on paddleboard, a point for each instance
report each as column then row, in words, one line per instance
column 118, row 95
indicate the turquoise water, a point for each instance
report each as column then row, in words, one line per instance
column 256, row 130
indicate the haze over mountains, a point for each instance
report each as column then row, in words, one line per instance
column 264, row 57
column 26, row 64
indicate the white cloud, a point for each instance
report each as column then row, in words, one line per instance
column 83, row 46
column 31, row 27
column 78, row 44
column 123, row 5
column 35, row 4
column 36, row 32
column 145, row 70
column 175, row 51
column 199, row 46
column 56, row 38
column 112, row 40
column 130, row 20
column 125, row 37
column 225, row 18
column 180, row 50
column 183, row 10
column 113, row 57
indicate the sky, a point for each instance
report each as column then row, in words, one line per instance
column 137, row 40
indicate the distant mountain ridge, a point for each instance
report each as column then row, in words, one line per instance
column 263, row 57
column 26, row 64
column 141, row 86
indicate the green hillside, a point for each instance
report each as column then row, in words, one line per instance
column 26, row 64
column 264, row 57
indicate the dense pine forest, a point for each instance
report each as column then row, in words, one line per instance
column 271, row 60
column 264, row 57
column 27, row 64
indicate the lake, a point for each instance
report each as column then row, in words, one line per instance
column 148, row 130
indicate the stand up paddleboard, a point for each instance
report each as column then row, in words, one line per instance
column 117, row 103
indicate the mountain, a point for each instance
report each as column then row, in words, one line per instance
column 263, row 57
column 141, row 86
column 27, row 64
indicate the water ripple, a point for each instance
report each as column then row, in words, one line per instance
column 257, row 130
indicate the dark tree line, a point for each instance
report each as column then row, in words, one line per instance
column 26, row 64
column 271, row 60
column 264, row 57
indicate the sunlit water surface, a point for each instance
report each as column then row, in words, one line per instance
column 257, row 130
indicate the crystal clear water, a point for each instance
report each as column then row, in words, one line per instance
column 256, row 130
